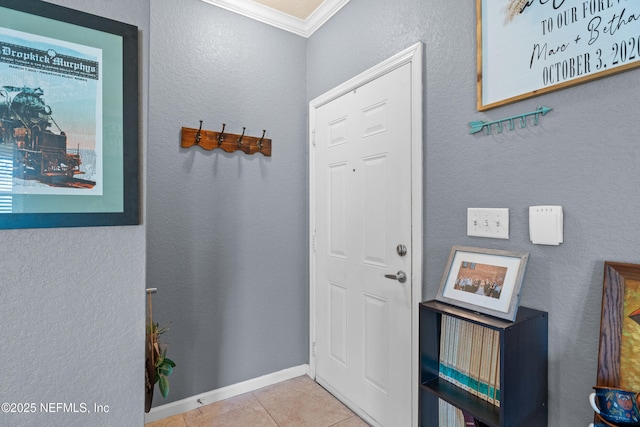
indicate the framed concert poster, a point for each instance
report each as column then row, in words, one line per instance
column 68, row 118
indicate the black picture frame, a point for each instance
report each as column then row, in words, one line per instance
column 38, row 41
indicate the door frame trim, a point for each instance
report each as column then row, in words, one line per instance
column 414, row 56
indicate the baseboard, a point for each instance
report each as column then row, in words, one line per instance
column 190, row 403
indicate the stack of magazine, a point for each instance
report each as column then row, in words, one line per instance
column 450, row 416
column 470, row 357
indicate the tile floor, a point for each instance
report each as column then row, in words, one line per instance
column 299, row 402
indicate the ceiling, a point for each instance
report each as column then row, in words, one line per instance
column 301, row 17
column 300, row 9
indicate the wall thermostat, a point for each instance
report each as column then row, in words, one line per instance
column 546, row 225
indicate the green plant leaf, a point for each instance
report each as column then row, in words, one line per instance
column 164, row 386
column 165, row 369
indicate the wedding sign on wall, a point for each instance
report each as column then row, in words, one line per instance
column 530, row 47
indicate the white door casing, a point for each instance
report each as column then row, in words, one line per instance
column 366, row 198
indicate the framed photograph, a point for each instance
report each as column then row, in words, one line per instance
column 620, row 327
column 484, row 280
column 68, row 118
column 527, row 48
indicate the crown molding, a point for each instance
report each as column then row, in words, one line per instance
column 281, row 20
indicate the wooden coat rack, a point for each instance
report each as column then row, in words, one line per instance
column 229, row 142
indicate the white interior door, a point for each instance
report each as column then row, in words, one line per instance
column 362, row 219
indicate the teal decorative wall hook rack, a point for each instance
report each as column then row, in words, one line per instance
column 479, row 125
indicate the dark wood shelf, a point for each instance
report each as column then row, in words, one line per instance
column 481, row 409
column 523, row 368
column 524, row 314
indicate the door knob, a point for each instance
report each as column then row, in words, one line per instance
column 401, row 276
column 401, row 250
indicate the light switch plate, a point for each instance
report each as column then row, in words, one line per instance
column 488, row 222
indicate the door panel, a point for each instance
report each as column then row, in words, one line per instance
column 338, row 328
column 375, row 236
column 337, row 193
column 376, row 342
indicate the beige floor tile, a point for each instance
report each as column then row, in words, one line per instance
column 216, row 409
column 242, row 417
column 175, row 421
column 351, row 422
column 299, row 402
column 302, row 402
column 190, row 415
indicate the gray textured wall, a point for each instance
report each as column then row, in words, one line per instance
column 227, row 232
column 72, row 301
column 583, row 156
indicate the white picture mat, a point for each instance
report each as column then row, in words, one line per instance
column 501, row 304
